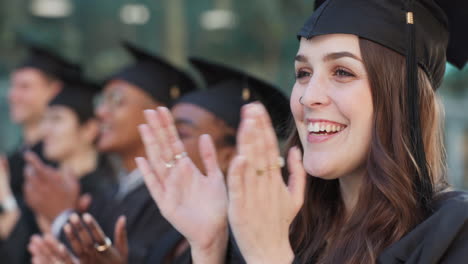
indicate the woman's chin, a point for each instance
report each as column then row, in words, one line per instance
column 322, row 173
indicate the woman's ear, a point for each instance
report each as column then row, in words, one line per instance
column 90, row 130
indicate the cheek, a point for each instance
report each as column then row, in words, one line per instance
column 296, row 107
column 298, row 111
column 191, row 147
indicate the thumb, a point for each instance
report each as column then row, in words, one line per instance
column 120, row 237
column 84, row 202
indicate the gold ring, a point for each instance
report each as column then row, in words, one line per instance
column 280, row 165
column 101, row 248
column 260, row 172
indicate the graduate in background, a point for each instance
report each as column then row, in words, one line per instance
column 33, row 83
column 212, row 113
column 148, row 83
column 70, row 131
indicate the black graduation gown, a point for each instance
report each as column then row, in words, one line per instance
column 13, row 250
column 163, row 250
column 145, row 224
column 17, row 163
column 441, row 238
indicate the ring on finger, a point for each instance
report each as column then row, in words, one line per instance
column 280, row 164
column 177, row 157
column 180, row 156
column 102, row 248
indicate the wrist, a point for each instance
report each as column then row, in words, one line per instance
column 212, row 252
column 277, row 256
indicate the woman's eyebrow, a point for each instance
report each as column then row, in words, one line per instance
column 300, row 58
column 338, row 55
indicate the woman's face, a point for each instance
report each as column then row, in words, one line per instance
column 332, row 105
column 63, row 133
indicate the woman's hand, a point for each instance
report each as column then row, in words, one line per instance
column 261, row 205
column 11, row 215
column 5, row 189
column 85, row 234
column 47, row 250
column 195, row 204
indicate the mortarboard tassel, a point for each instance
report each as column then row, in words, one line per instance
column 423, row 185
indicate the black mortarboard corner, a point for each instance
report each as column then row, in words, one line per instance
column 50, row 63
column 78, row 94
column 427, row 32
column 163, row 81
column 229, row 89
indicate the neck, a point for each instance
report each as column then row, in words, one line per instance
column 128, row 157
column 31, row 133
column 81, row 163
column 350, row 186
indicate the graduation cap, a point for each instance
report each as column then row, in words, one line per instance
column 50, row 63
column 427, row 32
column 78, row 94
column 163, row 81
column 229, row 89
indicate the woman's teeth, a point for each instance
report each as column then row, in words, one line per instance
column 323, row 127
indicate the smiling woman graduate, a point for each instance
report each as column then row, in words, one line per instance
column 367, row 175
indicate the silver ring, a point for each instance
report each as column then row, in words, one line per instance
column 170, row 164
column 180, row 156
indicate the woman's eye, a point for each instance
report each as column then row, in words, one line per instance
column 301, row 74
column 343, row 73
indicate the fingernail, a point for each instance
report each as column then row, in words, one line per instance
column 74, row 218
column 87, row 217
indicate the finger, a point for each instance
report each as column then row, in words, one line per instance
column 246, row 149
column 155, row 123
column 39, row 168
column 258, row 154
column 58, row 249
column 151, row 180
column 95, row 229
column 33, row 246
column 269, row 137
column 152, row 147
column 120, row 235
column 41, row 247
column 74, row 241
column 235, row 179
column 209, row 156
column 81, row 231
column 297, row 176
column 167, row 123
column 182, row 178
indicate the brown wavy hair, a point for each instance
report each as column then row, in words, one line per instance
column 388, row 206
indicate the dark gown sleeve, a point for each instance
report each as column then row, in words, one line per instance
column 13, row 250
column 441, row 238
column 17, row 163
column 145, row 224
column 162, row 249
